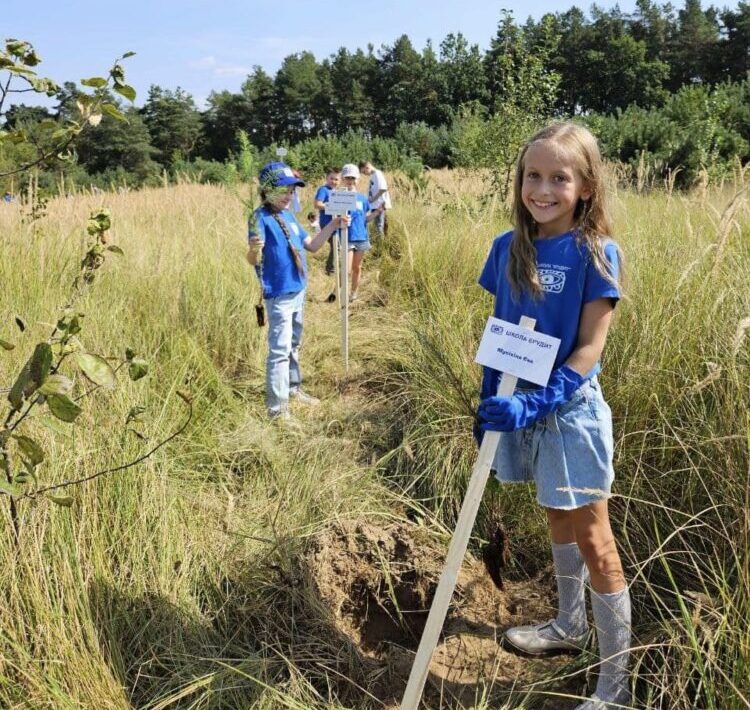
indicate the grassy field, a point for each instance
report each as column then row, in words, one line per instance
column 246, row 565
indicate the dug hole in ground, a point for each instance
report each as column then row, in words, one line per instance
column 375, row 584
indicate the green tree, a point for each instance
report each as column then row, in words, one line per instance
column 463, row 80
column 173, row 122
column 692, row 51
column 297, row 84
column 734, row 47
column 399, row 85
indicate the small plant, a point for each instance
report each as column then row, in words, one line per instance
column 58, row 376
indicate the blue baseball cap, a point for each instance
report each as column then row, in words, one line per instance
column 278, row 174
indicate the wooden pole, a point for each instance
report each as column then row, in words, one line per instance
column 336, row 265
column 456, row 551
column 344, row 251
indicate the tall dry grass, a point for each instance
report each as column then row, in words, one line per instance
column 174, row 585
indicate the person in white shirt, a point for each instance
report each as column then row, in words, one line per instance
column 377, row 194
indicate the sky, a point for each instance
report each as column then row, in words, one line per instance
column 205, row 46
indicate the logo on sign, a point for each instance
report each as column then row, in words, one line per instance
column 496, row 329
column 551, row 280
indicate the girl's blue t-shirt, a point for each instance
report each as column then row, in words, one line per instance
column 568, row 278
column 279, row 275
column 358, row 227
column 323, row 195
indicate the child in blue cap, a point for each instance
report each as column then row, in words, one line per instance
column 277, row 244
column 559, row 266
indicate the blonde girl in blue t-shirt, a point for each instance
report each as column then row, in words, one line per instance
column 277, row 244
column 359, row 241
column 560, row 266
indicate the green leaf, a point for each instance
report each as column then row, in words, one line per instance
column 97, row 82
column 40, row 364
column 63, row 407
column 114, row 112
column 64, row 501
column 128, row 54
column 32, row 376
column 5, row 345
column 138, row 368
column 125, row 90
column 30, row 449
column 17, row 391
column 10, row 489
column 97, row 369
column 115, row 249
column 56, row 384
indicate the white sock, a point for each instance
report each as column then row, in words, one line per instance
column 612, row 622
column 571, row 574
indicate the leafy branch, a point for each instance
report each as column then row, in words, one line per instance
column 53, row 139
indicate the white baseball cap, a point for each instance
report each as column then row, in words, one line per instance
column 350, row 170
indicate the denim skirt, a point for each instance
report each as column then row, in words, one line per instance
column 567, row 454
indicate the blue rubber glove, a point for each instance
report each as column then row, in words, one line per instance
column 522, row 410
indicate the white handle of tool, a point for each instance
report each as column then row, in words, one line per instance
column 344, row 251
column 456, row 551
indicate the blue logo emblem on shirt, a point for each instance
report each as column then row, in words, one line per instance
column 552, row 280
column 496, row 329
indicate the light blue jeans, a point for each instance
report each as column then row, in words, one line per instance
column 283, row 374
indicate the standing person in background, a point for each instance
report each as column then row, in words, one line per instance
column 333, row 177
column 377, row 194
column 277, row 244
column 296, row 204
column 359, row 241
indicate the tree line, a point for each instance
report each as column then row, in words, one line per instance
column 605, row 66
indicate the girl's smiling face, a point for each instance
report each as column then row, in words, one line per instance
column 350, row 183
column 551, row 189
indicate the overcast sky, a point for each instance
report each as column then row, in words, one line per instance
column 204, row 46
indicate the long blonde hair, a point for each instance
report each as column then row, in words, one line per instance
column 591, row 217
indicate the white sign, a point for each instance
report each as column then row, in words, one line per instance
column 281, row 152
column 525, row 353
column 341, row 202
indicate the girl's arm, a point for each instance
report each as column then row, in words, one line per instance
column 314, row 243
column 372, row 214
column 592, row 335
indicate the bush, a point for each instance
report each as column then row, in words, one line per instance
column 699, row 128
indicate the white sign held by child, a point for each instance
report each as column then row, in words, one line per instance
column 525, row 353
column 341, row 202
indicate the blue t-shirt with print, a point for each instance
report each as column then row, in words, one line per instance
column 278, row 273
column 358, row 227
column 568, row 279
column 323, row 195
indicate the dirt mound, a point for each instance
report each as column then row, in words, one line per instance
column 377, row 584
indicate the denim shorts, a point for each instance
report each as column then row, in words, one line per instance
column 567, row 454
column 360, row 246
